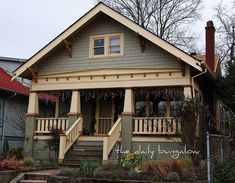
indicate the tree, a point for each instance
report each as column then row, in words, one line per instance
column 169, row 19
column 225, row 46
column 226, row 22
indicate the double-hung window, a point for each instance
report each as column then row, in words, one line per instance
column 106, row 45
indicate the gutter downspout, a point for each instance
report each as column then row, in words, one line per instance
column 4, row 119
column 193, row 84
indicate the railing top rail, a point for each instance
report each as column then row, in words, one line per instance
column 71, row 128
column 114, row 126
column 51, row 118
column 156, row 117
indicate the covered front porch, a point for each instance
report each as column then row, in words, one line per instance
column 109, row 115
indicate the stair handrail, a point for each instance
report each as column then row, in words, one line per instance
column 67, row 139
column 112, row 137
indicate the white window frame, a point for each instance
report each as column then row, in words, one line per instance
column 106, row 38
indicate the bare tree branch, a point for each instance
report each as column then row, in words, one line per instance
column 166, row 18
column 225, row 17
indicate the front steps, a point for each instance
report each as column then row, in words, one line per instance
column 32, row 178
column 84, row 150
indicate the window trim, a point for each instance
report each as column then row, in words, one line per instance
column 106, row 38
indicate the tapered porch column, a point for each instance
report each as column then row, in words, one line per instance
column 75, row 108
column 30, row 124
column 127, row 119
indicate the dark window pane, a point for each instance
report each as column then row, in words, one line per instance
column 162, row 109
column 140, row 108
column 99, row 51
column 98, row 42
column 174, row 108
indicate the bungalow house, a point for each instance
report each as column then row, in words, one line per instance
column 117, row 85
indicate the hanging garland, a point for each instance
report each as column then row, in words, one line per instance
column 88, row 94
column 172, row 92
column 102, row 93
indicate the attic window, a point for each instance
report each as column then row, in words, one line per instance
column 106, row 45
column 99, row 46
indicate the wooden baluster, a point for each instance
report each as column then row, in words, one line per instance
column 179, row 126
column 136, row 125
column 145, row 126
column 163, row 126
column 174, row 126
column 42, row 125
column 46, row 125
column 141, row 125
column 38, row 125
column 59, row 124
column 150, row 126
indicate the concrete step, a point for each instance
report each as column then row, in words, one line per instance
column 80, row 158
column 89, row 143
column 32, row 181
column 84, row 153
column 36, row 176
column 77, row 163
column 86, row 147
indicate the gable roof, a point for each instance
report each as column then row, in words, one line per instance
column 100, row 7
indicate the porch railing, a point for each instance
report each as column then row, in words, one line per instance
column 156, row 125
column 45, row 125
column 111, row 139
column 67, row 139
column 104, row 125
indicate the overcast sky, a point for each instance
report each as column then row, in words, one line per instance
column 28, row 25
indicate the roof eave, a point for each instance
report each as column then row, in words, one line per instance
column 119, row 18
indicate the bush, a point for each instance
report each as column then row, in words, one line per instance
column 9, row 164
column 99, row 173
column 16, row 153
column 87, row 167
column 132, row 174
column 225, row 170
column 173, row 176
column 70, row 172
column 27, row 162
column 157, row 167
column 133, row 160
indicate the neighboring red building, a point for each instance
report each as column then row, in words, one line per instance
column 13, row 104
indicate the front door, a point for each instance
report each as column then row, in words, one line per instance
column 105, row 119
column 88, row 113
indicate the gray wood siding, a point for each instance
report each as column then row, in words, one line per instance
column 153, row 57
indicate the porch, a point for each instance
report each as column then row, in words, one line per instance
column 120, row 117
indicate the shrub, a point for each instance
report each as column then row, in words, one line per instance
column 225, row 170
column 132, row 174
column 70, row 172
column 98, row 172
column 157, row 167
column 16, row 153
column 27, row 162
column 173, row 176
column 133, row 160
column 87, row 167
column 9, row 164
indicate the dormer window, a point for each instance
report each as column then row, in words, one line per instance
column 106, row 45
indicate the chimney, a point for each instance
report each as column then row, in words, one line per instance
column 210, row 45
